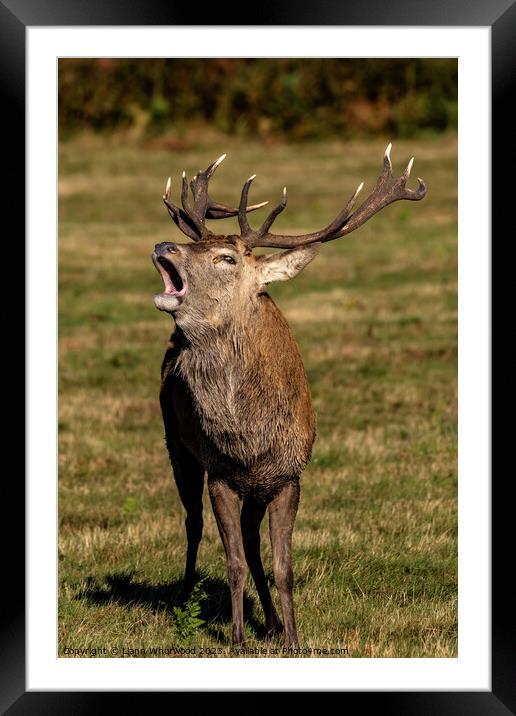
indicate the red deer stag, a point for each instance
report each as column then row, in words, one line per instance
column 234, row 393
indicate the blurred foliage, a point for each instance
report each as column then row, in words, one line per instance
column 294, row 99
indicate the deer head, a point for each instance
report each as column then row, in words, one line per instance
column 205, row 281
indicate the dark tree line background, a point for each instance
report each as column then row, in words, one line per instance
column 294, row 99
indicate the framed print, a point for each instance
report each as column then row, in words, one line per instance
column 391, row 546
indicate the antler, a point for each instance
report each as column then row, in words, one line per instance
column 387, row 190
column 190, row 219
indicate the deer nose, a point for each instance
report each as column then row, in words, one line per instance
column 165, row 247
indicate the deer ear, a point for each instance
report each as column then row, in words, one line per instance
column 286, row 264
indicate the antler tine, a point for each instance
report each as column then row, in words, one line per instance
column 199, row 187
column 387, row 190
column 220, row 211
column 184, row 194
column 211, row 169
column 264, row 228
column 203, row 205
column 242, row 209
column 196, row 217
column 178, row 216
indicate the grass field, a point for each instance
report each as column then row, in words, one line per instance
column 375, row 315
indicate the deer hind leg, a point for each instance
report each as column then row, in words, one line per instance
column 189, row 478
column 250, row 520
column 226, row 507
column 282, row 515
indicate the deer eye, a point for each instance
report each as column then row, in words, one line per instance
column 224, row 257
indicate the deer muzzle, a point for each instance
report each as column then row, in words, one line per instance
column 175, row 284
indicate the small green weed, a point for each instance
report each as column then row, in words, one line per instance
column 186, row 618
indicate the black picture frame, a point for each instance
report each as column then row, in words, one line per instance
column 500, row 16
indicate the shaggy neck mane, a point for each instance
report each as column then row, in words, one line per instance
column 233, row 334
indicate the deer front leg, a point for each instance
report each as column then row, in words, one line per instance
column 189, row 478
column 226, row 507
column 282, row 515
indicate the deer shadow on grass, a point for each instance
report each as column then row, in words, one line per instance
column 123, row 588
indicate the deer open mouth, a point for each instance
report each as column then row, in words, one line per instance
column 174, row 283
